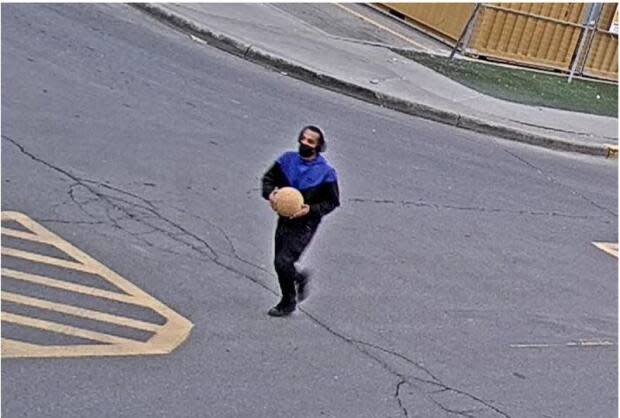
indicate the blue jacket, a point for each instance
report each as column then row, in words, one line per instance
column 315, row 179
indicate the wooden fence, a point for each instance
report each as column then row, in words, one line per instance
column 556, row 36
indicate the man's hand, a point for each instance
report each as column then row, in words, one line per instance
column 305, row 209
column 272, row 198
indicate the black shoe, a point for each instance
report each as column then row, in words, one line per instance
column 303, row 288
column 281, row 310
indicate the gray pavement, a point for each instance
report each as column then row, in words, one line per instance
column 451, row 253
column 270, row 35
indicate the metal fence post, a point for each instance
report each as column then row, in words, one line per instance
column 595, row 20
column 584, row 36
column 466, row 31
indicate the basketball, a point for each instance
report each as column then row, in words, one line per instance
column 288, row 201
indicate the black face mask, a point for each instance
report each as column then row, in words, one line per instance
column 306, row 151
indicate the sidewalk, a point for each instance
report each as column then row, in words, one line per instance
column 263, row 34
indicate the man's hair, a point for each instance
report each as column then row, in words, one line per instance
column 322, row 145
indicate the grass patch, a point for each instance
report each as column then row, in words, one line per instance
column 526, row 87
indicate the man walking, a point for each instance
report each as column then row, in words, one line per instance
column 307, row 171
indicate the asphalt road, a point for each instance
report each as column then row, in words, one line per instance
column 451, row 254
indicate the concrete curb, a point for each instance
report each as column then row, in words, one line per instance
column 258, row 56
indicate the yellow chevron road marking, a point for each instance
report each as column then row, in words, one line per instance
column 80, row 312
column 23, row 235
column 43, row 259
column 63, row 329
column 163, row 340
column 71, row 287
column 610, row 248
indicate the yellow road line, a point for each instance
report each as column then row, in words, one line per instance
column 81, row 312
column 8, row 343
column 71, row 287
column 380, row 26
column 65, row 329
column 52, row 261
column 20, row 349
column 23, row 235
column 610, row 248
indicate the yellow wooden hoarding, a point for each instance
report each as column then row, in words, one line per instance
column 544, row 35
column 446, row 19
column 539, row 34
column 602, row 55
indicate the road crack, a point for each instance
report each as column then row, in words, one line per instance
column 438, row 206
column 226, row 236
column 552, row 180
column 433, row 382
column 125, row 209
column 147, row 211
column 397, row 396
column 401, row 356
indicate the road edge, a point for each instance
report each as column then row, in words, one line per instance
column 258, row 56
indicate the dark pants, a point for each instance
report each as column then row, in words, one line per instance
column 291, row 240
